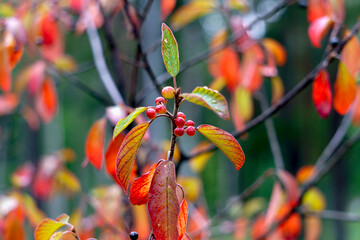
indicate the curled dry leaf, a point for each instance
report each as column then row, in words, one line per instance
column 127, row 153
column 225, row 142
column 94, row 145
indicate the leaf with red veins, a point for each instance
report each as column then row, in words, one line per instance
column 321, row 94
column 163, row 205
column 225, row 142
column 94, row 146
column 111, row 155
column 345, row 90
column 183, row 216
column 139, row 190
column 46, row 101
column 318, row 29
column 127, row 153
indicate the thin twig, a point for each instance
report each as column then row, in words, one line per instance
column 99, row 60
column 271, row 132
column 146, row 10
column 333, row 215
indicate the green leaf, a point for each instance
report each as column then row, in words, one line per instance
column 124, row 122
column 169, row 50
column 210, row 99
column 127, row 153
column 225, row 142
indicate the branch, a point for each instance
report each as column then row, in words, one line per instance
column 333, row 215
column 99, row 60
column 291, row 94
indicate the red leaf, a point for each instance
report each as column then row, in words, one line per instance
column 35, row 76
column 14, row 48
column 229, row 67
column 345, row 90
column 5, row 69
column 317, row 9
column 291, row 186
column 251, row 78
column 183, row 215
column 318, row 29
column 321, row 93
column 47, row 101
column 163, row 205
column 225, row 142
column 13, row 228
column 127, row 153
column 167, row 6
column 94, row 145
column 274, row 205
column 139, row 190
column 8, row 103
column 111, row 154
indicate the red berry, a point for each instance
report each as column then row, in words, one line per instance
column 179, row 131
column 160, row 100
column 180, row 122
column 151, row 113
column 190, row 131
column 189, row 123
column 168, row 92
column 160, row 109
column 182, row 115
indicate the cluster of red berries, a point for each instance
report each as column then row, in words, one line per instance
column 180, row 123
column 151, row 112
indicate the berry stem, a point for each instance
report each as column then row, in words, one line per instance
column 177, row 101
column 174, row 80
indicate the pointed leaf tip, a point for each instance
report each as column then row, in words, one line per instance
column 210, row 99
column 123, row 123
column 225, row 142
column 169, row 50
column 127, row 153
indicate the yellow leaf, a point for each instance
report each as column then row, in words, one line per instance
column 277, row 89
column 198, row 163
column 244, row 103
column 345, row 90
column 192, row 187
column 48, row 227
column 314, row 200
column 67, row 182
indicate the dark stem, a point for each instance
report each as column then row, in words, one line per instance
column 177, row 101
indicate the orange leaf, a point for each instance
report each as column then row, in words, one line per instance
column 141, row 221
column 213, row 65
column 111, row 155
column 236, row 117
column 251, row 78
column 290, row 184
column 183, row 215
column 47, row 101
column 229, row 67
column 8, row 103
column 291, row 227
column 5, row 69
column 15, row 49
column 277, row 89
column 305, row 173
column 276, row 50
column 167, row 6
column 163, row 205
column 321, row 93
column 127, row 153
column 139, row 190
column 345, row 90
column 313, row 228
column 225, row 142
column 350, row 55
column 318, row 29
column 94, row 145
column 13, row 228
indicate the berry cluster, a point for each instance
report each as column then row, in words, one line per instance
column 181, row 126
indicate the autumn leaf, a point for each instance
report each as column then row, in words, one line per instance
column 183, row 215
column 216, row 42
column 210, row 99
column 123, row 123
column 127, row 153
column 290, row 185
column 318, row 29
column 314, row 200
column 345, row 90
column 14, row 48
column 67, row 182
column 305, row 173
column 139, row 190
column 65, row 63
column 350, row 55
column 8, row 103
column 94, row 145
column 321, row 93
column 244, row 103
column 317, row 9
column 251, row 78
column 167, row 6
column 191, row 11
column 277, row 89
column 169, row 50
column 13, row 228
column 111, row 155
column 48, row 227
column 274, row 205
column 5, row 69
column 229, row 66
column 225, row 142
column 163, row 205
column 199, row 162
column 276, row 50
column 46, row 102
